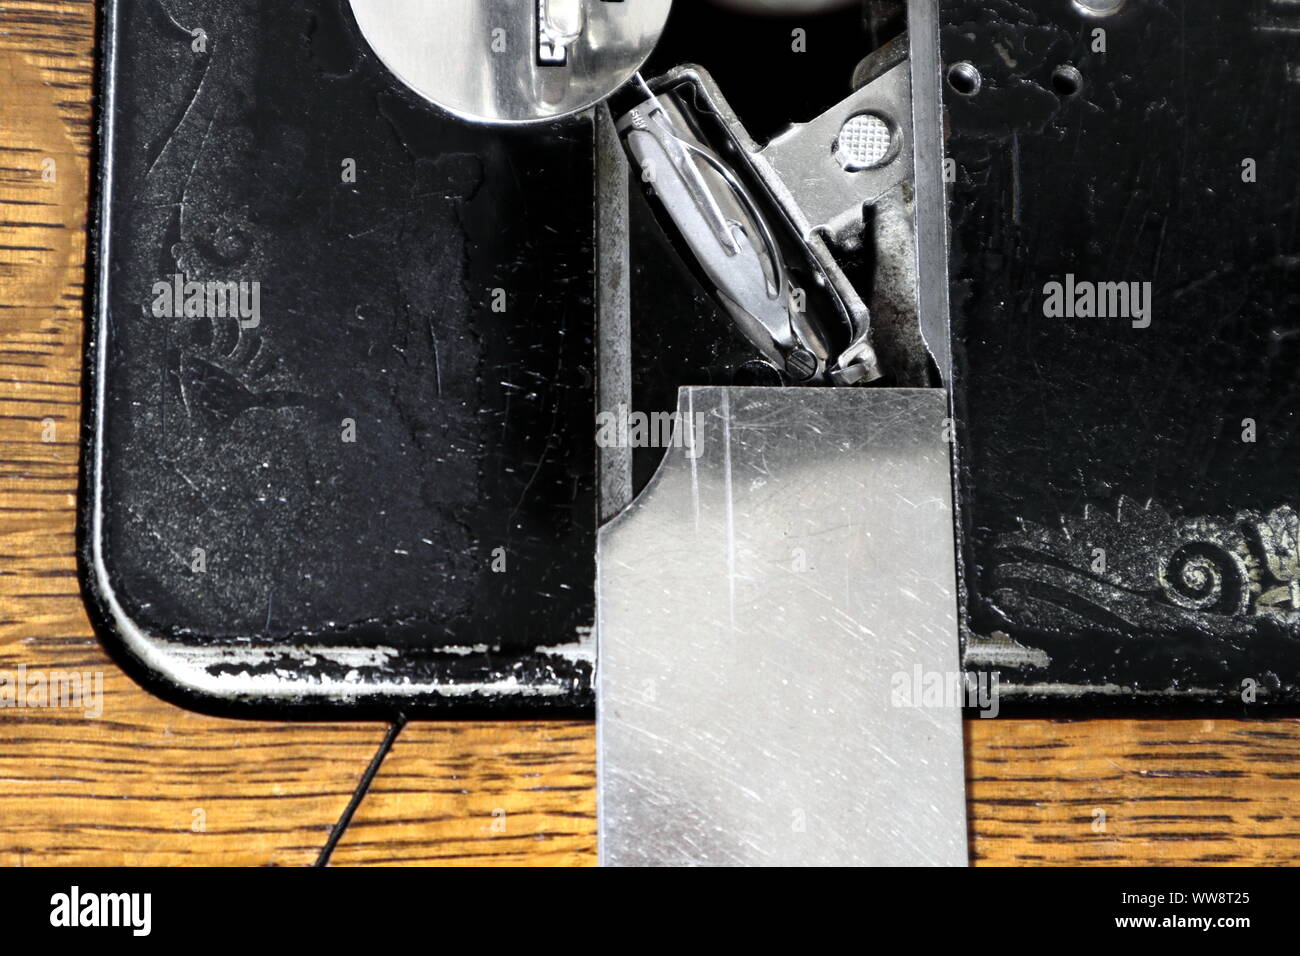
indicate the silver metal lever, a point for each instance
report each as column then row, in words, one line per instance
column 819, row 175
column 727, row 233
column 724, row 227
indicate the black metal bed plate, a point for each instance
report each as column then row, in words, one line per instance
column 364, row 480
column 1126, row 300
column 340, row 449
column 377, row 492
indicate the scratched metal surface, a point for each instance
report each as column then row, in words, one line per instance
column 1119, row 535
column 333, row 568
column 765, row 605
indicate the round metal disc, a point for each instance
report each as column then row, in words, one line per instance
column 865, row 142
column 512, row 61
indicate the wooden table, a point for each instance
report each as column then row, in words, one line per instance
column 147, row 783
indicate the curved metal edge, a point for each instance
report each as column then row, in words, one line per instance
column 511, row 123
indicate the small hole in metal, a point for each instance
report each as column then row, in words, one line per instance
column 964, row 78
column 1066, row 80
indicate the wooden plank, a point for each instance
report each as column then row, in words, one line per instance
column 1106, row 792
column 487, row 794
column 149, row 784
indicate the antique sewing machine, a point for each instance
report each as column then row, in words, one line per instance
column 777, row 386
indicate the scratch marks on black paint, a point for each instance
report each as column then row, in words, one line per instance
column 192, row 114
column 1015, row 178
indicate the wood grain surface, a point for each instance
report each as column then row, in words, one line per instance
column 148, row 783
column 500, row 794
column 1116, row 792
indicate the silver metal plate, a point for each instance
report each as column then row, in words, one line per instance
column 757, row 606
column 512, row 61
column 807, row 158
column 931, row 193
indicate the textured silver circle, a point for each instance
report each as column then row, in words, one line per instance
column 865, row 142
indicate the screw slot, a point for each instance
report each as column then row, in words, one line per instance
column 1066, row 80
column 964, row 78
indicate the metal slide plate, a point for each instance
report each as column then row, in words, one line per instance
column 761, row 605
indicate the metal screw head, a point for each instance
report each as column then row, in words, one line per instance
column 865, row 142
column 801, row 365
